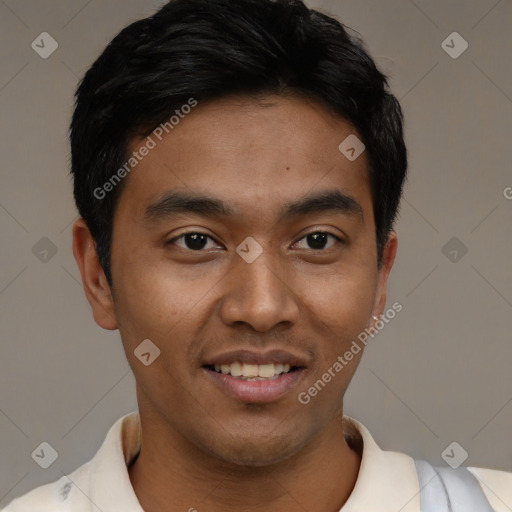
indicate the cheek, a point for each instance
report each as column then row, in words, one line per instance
column 154, row 295
column 159, row 303
column 153, row 309
column 343, row 302
column 339, row 311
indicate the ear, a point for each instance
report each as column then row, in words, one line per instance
column 388, row 258
column 95, row 283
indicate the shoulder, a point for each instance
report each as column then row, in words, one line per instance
column 65, row 494
column 497, row 486
column 92, row 484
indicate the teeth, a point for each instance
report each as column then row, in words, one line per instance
column 250, row 370
column 265, row 370
column 253, row 371
column 235, row 369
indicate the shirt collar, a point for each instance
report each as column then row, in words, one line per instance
column 387, row 480
column 110, row 486
column 376, row 487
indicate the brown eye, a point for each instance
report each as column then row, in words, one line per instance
column 318, row 240
column 192, row 241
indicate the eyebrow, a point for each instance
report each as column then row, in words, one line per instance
column 177, row 202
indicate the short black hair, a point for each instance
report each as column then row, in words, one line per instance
column 209, row 49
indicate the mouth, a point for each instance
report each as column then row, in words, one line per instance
column 255, row 378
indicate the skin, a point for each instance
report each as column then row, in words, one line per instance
column 201, row 448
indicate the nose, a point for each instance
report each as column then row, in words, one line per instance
column 259, row 294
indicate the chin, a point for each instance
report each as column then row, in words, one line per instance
column 259, row 452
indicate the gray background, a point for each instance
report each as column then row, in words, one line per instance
column 439, row 372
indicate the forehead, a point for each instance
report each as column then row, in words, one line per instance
column 250, row 153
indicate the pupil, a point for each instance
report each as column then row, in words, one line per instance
column 317, row 240
column 195, row 241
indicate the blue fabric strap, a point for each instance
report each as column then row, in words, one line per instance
column 449, row 490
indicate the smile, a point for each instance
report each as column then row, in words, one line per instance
column 252, row 372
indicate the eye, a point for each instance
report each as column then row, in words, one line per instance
column 193, row 241
column 197, row 241
column 319, row 239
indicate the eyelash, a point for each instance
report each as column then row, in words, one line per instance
column 172, row 240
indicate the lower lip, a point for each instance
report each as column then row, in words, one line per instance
column 256, row 391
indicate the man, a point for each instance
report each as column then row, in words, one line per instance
column 238, row 166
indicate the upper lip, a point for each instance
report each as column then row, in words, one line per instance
column 252, row 357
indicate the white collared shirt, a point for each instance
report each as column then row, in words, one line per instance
column 387, row 481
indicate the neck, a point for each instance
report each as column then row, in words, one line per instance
column 319, row 479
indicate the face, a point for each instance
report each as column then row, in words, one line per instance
column 244, row 242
